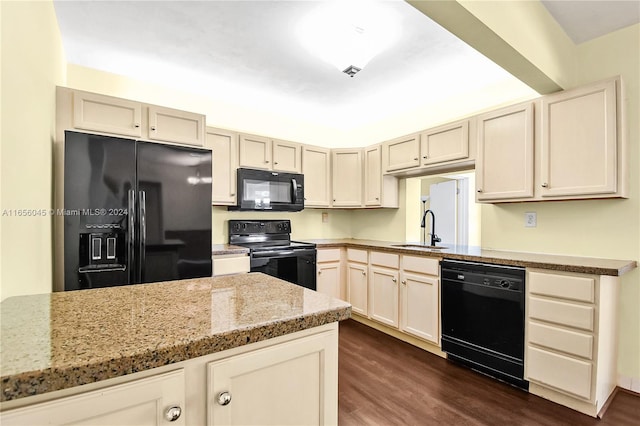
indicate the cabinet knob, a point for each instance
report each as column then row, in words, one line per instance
column 425, row 156
column 394, row 280
column 224, row 398
column 136, row 125
column 233, row 194
column 319, row 272
column 334, row 200
column 364, row 273
column 153, row 128
column 267, row 162
column 173, row 413
column 275, row 162
column 545, row 185
column 404, row 282
column 479, row 190
column 416, row 159
column 377, row 199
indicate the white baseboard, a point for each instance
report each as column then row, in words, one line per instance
column 629, row 383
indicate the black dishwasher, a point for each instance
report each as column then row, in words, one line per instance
column 483, row 318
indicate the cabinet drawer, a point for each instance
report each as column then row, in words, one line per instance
column 559, row 371
column 422, row 265
column 230, row 265
column 561, row 313
column 356, row 255
column 388, row 260
column 568, row 341
column 572, row 287
column 328, row 255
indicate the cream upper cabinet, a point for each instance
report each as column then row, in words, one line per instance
column 373, row 176
column 571, row 324
column 445, row 143
column 383, row 288
column 420, row 297
column 255, row 152
column 224, row 147
column 259, row 152
column 287, row 156
column 107, row 114
column 137, row 403
column 172, row 125
column 316, row 167
column 505, row 155
column 579, row 150
column 347, row 177
column 294, row 383
column 401, row 153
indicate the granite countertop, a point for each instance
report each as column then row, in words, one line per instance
column 585, row 265
column 220, row 249
column 60, row 340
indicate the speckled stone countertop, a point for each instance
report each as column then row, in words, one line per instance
column 585, row 265
column 60, row 340
column 220, row 249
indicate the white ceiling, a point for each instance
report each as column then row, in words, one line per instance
column 245, row 52
column 584, row 20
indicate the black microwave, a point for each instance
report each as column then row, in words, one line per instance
column 269, row 191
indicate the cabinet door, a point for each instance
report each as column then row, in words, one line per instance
column 384, row 295
column 255, row 152
column 287, row 156
column 419, row 306
column 579, row 142
column 504, row 163
column 172, row 125
column 373, row 176
column 107, row 114
column 445, row 143
column 402, row 153
column 293, row 383
column 357, row 291
column 347, row 177
column 141, row 402
column 316, row 166
column 224, row 146
column 328, row 281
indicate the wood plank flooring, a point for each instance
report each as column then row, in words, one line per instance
column 384, row 381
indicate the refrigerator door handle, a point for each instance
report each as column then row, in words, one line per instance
column 142, row 200
column 131, row 226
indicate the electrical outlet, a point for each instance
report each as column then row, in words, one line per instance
column 530, row 220
column 325, row 217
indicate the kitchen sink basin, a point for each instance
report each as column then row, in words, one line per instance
column 422, row 246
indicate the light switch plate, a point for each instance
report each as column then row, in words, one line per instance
column 530, row 220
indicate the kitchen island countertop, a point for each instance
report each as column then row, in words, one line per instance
column 60, row 340
column 585, row 265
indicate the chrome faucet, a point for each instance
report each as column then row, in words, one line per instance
column 434, row 238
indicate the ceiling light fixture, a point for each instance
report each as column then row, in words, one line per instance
column 348, row 34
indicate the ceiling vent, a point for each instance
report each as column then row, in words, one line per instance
column 351, row 70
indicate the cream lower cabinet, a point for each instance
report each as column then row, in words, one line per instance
column 383, row 288
column 571, row 338
column 357, row 283
column 329, row 272
column 290, row 379
column 224, row 148
column 294, row 383
column 230, row 264
column 420, row 297
column 140, row 402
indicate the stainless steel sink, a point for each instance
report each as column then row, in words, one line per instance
column 421, row 246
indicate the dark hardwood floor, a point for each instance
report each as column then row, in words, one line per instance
column 384, row 381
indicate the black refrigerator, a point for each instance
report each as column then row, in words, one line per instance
column 134, row 212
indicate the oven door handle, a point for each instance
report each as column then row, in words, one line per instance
column 281, row 253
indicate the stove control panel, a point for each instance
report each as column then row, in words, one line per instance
column 239, row 227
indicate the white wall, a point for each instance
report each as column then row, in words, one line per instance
column 32, row 65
